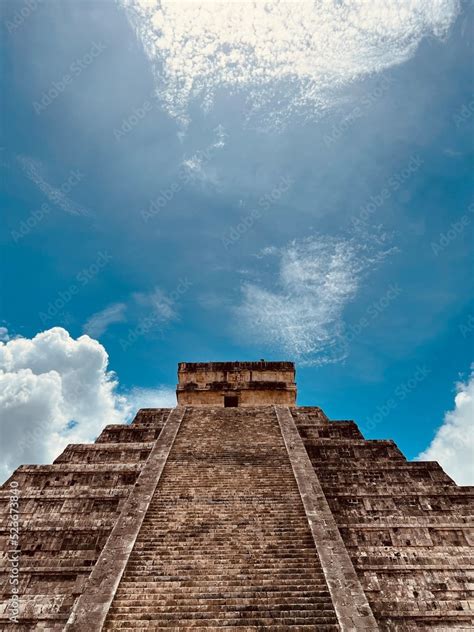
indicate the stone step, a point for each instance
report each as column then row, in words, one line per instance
column 201, row 611
column 180, row 600
column 201, row 589
column 222, row 572
column 210, row 626
column 268, row 619
column 207, row 584
column 225, row 542
column 233, row 562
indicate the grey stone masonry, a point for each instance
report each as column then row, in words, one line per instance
column 91, row 608
column 225, row 543
column 244, row 515
column 408, row 528
column 348, row 598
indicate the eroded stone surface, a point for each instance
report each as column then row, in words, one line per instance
column 407, row 526
column 349, row 600
column 66, row 513
column 251, row 383
column 92, row 607
column 226, row 542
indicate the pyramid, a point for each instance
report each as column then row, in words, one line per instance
column 236, row 510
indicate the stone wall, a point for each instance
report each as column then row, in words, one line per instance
column 225, row 543
column 254, row 383
column 406, row 526
column 247, row 397
column 66, row 513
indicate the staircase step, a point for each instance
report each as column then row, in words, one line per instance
column 225, row 542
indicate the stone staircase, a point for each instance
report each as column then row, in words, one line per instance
column 225, row 541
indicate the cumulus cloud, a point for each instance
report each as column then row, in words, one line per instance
column 4, row 335
column 99, row 322
column 303, row 315
column 54, row 390
column 453, row 444
column 290, row 55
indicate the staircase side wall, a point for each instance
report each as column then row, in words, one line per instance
column 406, row 525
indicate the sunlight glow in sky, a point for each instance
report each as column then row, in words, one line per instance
column 200, row 48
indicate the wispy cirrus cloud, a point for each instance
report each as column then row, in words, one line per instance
column 287, row 55
column 197, row 165
column 58, row 195
column 99, row 322
column 302, row 314
column 148, row 313
column 158, row 302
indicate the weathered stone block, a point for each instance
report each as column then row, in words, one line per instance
column 237, row 531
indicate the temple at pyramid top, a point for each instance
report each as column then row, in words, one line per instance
column 236, row 384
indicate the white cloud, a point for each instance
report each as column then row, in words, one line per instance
column 303, row 316
column 57, row 195
column 453, row 444
column 160, row 304
column 98, row 323
column 4, row 335
column 46, row 383
column 56, row 390
column 160, row 397
column 297, row 54
column 150, row 309
column 198, row 165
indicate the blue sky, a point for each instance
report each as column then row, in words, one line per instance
column 235, row 184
